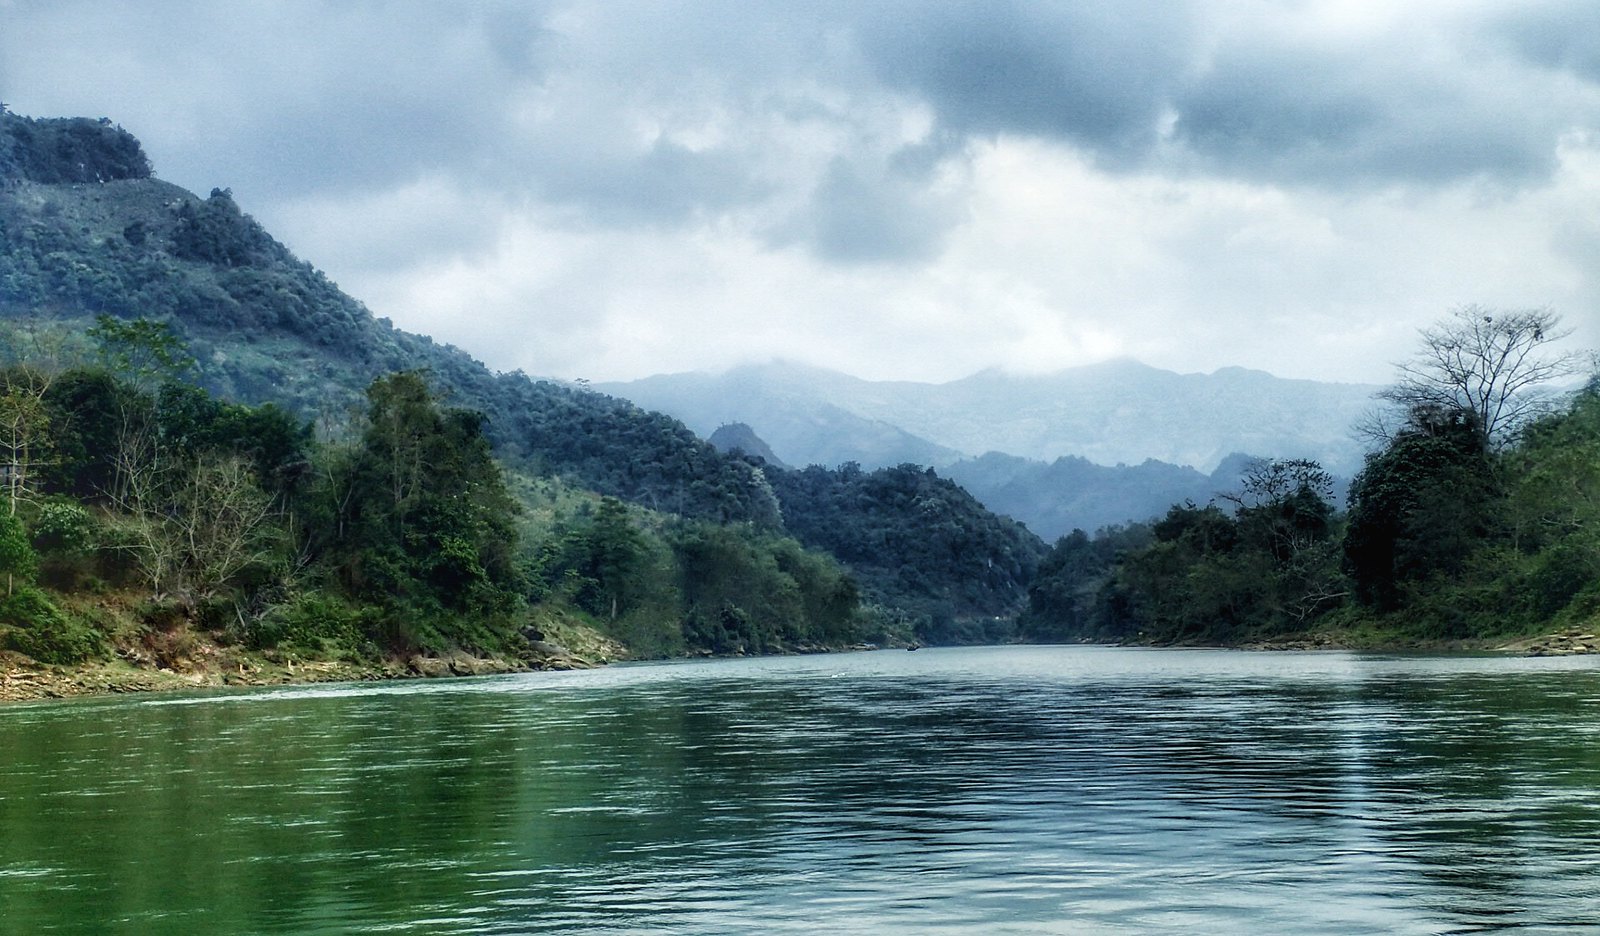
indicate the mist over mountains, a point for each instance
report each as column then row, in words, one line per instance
column 1115, row 412
column 1081, row 448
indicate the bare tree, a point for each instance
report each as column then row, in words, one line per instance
column 192, row 530
column 1494, row 364
column 34, row 352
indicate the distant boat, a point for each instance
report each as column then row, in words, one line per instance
column 913, row 646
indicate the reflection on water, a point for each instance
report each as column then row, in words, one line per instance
column 1017, row 790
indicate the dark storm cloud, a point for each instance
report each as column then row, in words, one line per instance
column 1173, row 86
column 1346, row 116
column 1096, row 74
column 288, row 97
column 1561, row 36
column 622, row 114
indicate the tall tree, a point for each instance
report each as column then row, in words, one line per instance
column 1491, row 363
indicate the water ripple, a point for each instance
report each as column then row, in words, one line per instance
column 1040, row 790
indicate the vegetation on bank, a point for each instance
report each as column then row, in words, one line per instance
column 85, row 230
column 1477, row 517
column 142, row 514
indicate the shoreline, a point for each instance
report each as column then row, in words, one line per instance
column 23, row 680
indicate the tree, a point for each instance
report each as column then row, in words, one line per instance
column 36, row 354
column 143, row 352
column 1420, row 506
column 427, row 516
column 1283, row 505
column 17, row 557
column 1490, row 363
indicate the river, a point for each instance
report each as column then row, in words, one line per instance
column 992, row 790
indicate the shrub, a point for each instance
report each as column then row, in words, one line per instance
column 45, row 632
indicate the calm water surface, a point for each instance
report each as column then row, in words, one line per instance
column 1014, row 790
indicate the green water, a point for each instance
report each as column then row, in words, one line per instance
column 1016, row 790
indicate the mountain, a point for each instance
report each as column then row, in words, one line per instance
column 1055, row 498
column 86, row 230
column 1116, row 412
column 739, row 438
column 803, row 413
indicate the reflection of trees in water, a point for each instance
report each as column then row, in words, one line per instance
column 1453, row 797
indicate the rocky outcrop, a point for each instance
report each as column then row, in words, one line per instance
column 1563, row 644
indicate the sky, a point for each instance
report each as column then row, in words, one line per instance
column 899, row 190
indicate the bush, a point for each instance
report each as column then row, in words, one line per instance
column 45, row 632
column 313, row 623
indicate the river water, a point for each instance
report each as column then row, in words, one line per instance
column 996, row 790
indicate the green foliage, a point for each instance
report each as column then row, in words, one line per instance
column 1420, row 506
column 215, row 231
column 18, row 561
column 666, row 588
column 1072, row 596
column 35, row 626
column 143, row 352
column 421, row 521
column 752, row 592
column 917, row 542
column 1200, row 574
column 68, row 150
column 317, row 624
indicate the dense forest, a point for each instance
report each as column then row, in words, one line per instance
column 1476, row 516
column 922, row 546
column 129, row 488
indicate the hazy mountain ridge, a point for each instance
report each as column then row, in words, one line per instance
column 1115, row 412
column 1055, row 498
column 793, row 409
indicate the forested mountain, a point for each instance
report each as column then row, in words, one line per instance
column 87, row 232
column 740, row 438
column 1117, row 412
column 920, row 544
column 99, row 235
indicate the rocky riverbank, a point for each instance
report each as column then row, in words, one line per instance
column 1562, row 644
column 23, row 680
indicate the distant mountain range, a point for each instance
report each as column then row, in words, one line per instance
column 1082, row 448
column 1116, row 412
column 1054, row 498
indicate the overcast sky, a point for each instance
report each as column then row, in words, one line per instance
column 913, row 190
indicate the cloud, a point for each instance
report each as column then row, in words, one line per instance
column 1096, row 74
column 1560, row 36
column 1391, row 111
column 899, row 188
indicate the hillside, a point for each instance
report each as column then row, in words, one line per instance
column 268, row 326
column 86, row 230
column 738, row 438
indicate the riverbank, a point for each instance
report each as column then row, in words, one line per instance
column 212, row 666
column 24, row 680
column 1563, row 643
